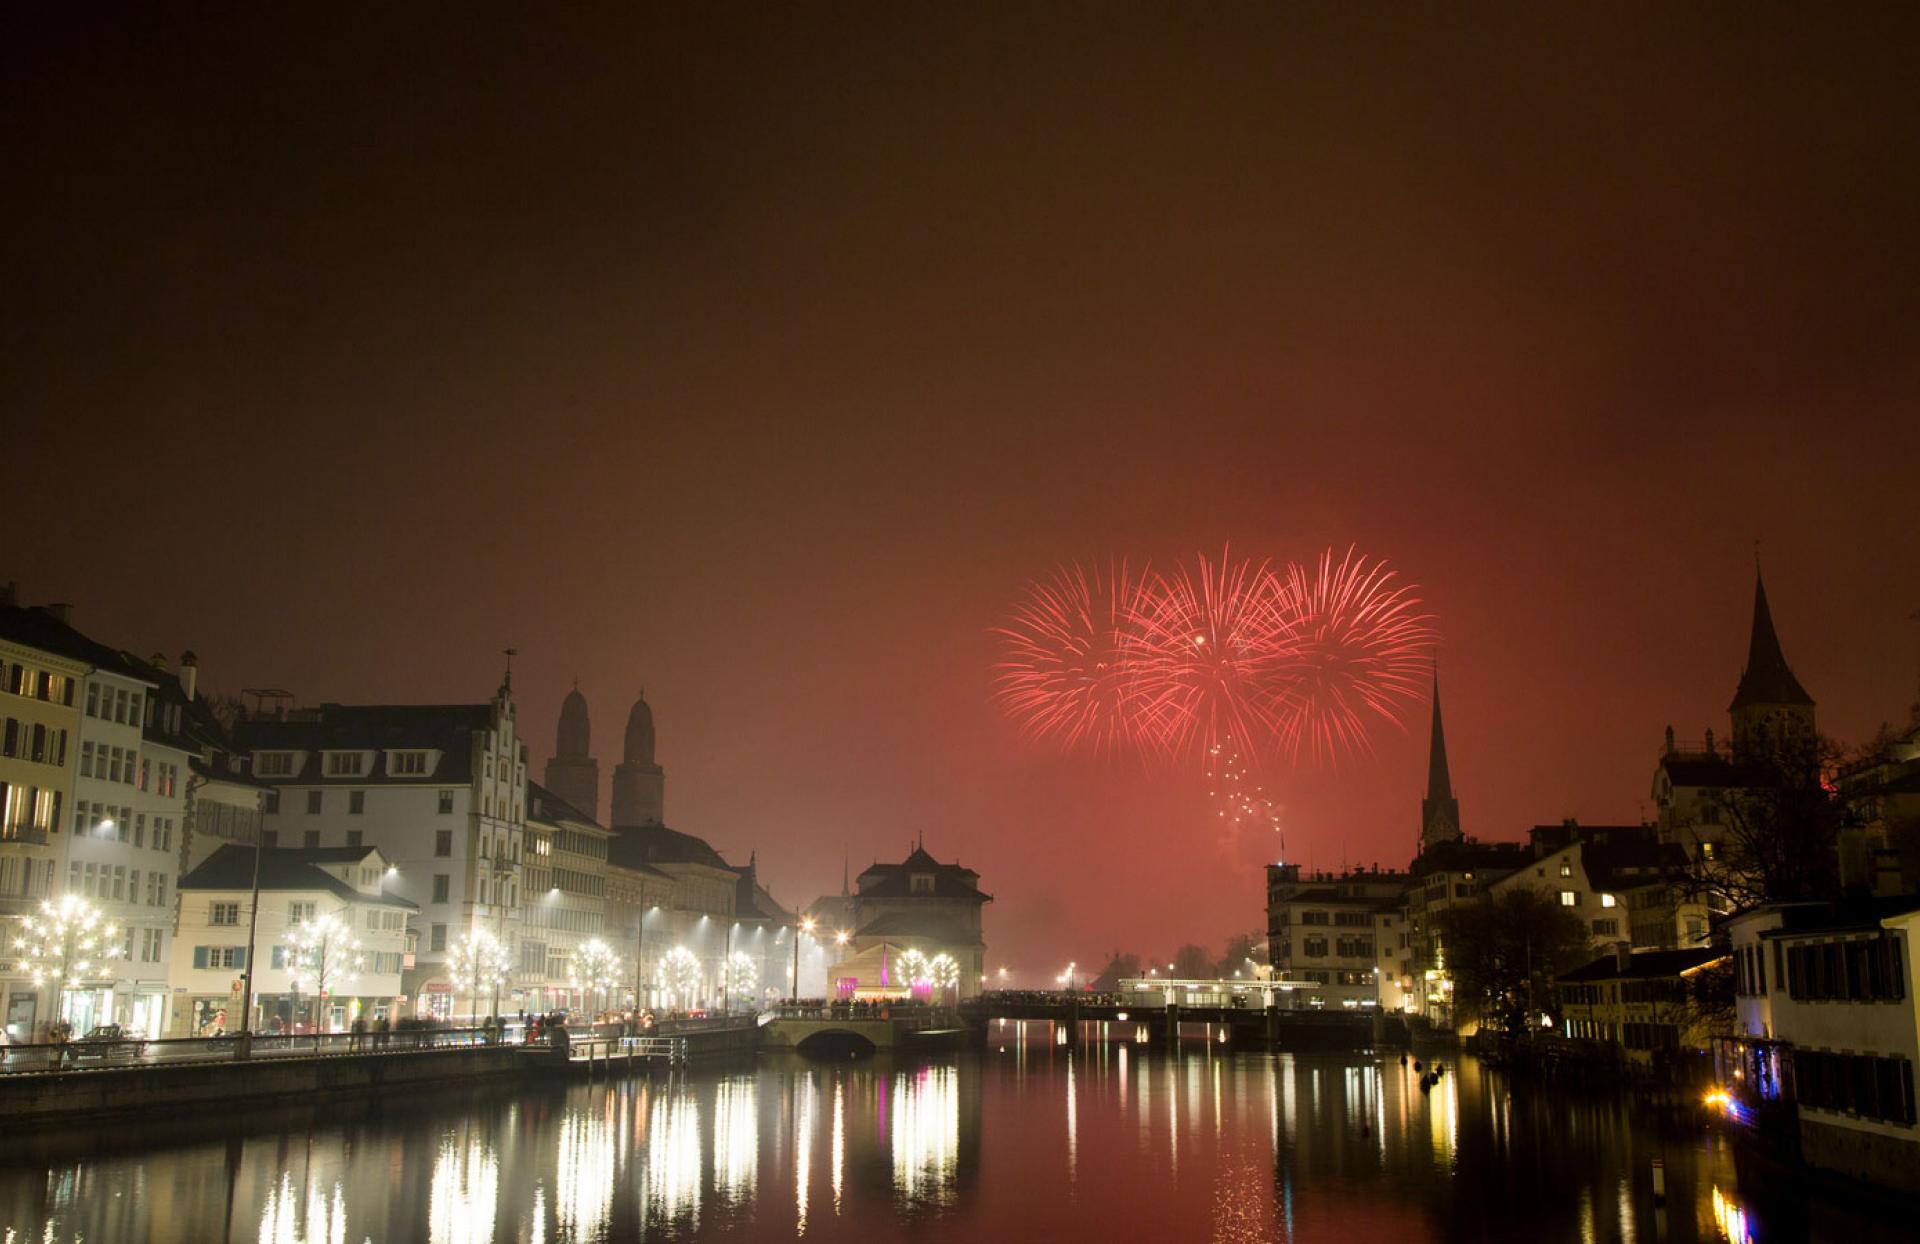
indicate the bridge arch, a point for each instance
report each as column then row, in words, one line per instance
column 836, row 1043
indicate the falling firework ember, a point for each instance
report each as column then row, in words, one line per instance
column 1222, row 659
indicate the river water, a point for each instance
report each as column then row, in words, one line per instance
column 1027, row 1140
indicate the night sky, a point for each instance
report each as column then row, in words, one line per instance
column 759, row 358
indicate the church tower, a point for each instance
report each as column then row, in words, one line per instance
column 1439, row 811
column 573, row 774
column 639, row 785
column 1772, row 713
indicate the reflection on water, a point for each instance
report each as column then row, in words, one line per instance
column 926, row 1134
column 1027, row 1140
column 465, row 1193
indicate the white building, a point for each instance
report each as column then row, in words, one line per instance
column 441, row 789
column 1829, row 1021
column 210, row 957
column 1616, row 879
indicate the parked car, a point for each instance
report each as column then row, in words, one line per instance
column 106, row 1041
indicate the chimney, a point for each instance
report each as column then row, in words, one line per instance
column 189, row 673
column 158, row 660
column 1622, row 954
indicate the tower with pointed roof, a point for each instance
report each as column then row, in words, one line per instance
column 573, row 773
column 1772, row 713
column 639, row 784
column 1439, row 811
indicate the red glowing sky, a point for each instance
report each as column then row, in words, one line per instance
column 761, row 364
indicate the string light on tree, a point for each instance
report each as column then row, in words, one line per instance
column 739, row 975
column 594, row 968
column 479, row 962
column 678, row 976
column 324, row 956
column 65, row 944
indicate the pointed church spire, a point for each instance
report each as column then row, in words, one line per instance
column 1439, row 781
column 1768, row 679
column 1439, row 811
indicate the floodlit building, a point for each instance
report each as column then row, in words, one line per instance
column 918, row 907
column 566, row 900
column 1331, row 931
column 365, row 970
column 441, row 789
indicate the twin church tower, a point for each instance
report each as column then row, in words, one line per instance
column 639, row 784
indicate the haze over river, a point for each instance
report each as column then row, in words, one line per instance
column 1027, row 1140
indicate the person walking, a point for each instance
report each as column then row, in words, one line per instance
column 358, row 1040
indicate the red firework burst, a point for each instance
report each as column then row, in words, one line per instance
column 1067, row 675
column 1363, row 648
column 1211, row 655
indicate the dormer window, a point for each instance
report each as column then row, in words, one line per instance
column 922, row 883
column 346, row 764
column 407, row 764
column 273, row 764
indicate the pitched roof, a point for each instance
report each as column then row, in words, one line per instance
column 656, row 844
column 293, row 868
column 1463, row 854
column 1767, row 679
column 544, row 805
column 1626, row 866
column 896, row 880
column 448, row 728
column 1646, row 963
column 926, row 925
column 1859, row 913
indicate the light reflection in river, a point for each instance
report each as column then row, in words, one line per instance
column 736, row 1138
column 925, row 1127
column 673, row 1160
column 1094, row 1140
column 465, row 1193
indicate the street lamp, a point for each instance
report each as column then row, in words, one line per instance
column 806, row 926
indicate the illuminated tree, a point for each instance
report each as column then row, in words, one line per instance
column 739, row 975
column 910, row 968
column 324, row 955
column 479, row 961
column 944, row 972
column 678, row 976
column 594, row 967
column 65, row 944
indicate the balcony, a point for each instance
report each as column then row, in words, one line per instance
column 24, row 834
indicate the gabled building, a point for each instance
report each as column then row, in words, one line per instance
column 1618, row 880
column 919, row 906
column 441, row 789
column 210, row 956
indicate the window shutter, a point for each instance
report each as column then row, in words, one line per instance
column 199, row 956
column 239, row 956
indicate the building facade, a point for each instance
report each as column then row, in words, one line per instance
column 440, row 789
column 358, row 976
column 1333, row 932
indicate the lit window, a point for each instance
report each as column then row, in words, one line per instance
column 1606, row 900
column 1569, row 898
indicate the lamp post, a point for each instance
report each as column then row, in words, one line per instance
column 243, row 1046
column 806, row 926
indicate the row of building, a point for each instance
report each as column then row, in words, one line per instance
column 1827, row 1021
column 418, row 828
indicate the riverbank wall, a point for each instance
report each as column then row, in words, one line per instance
column 190, row 1088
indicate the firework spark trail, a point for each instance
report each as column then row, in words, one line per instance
column 1364, row 647
column 1066, row 674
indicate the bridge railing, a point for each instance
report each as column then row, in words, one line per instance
column 92, row 1054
